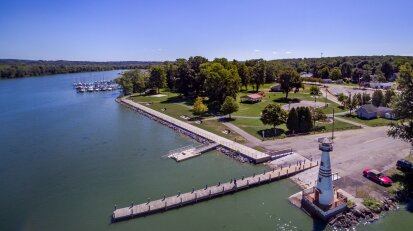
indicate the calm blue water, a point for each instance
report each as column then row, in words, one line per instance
column 68, row 158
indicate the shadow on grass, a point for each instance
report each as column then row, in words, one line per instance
column 226, row 119
column 270, row 133
column 288, row 100
column 180, row 99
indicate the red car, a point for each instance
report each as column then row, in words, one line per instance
column 377, row 176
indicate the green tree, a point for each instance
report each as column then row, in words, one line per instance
column 314, row 90
column 342, row 99
column 377, row 98
column 258, row 74
column 387, row 69
column 289, row 79
column 346, row 69
column 273, row 115
column 292, row 121
column 402, row 105
column 366, row 98
column 229, row 106
column 324, row 73
column 220, row 83
column 336, row 74
column 157, row 78
column 199, row 107
column 352, row 103
column 244, row 74
column 387, row 97
column 305, row 119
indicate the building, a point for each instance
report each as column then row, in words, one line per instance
column 276, row 88
column 252, row 98
column 369, row 111
column 306, row 74
column 384, row 86
column 324, row 201
column 326, row 80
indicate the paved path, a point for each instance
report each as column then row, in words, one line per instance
column 252, row 140
column 256, row 156
column 350, row 122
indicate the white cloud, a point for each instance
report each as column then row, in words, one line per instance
column 288, row 52
column 256, row 50
column 275, row 52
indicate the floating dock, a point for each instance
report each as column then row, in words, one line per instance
column 209, row 192
column 190, row 152
column 250, row 153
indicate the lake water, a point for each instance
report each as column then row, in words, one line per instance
column 68, row 158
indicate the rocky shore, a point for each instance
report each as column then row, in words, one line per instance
column 361, row 214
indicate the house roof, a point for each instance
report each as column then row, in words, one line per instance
column 254, row 96
column 368, row 107
column 383, row 109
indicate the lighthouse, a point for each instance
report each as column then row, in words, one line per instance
column 325, row 192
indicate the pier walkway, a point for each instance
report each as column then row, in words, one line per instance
column 209, row 192
column 256, row 156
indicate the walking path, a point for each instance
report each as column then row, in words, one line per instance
column 252, row 140
column 195, row 196
column 350, row 122
column 254, row 155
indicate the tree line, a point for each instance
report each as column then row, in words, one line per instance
column 10, row 69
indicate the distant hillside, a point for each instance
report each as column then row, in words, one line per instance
column 16, row 68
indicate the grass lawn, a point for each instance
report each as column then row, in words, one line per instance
column 401, row 180
column 371, row 123
column 216, row 127
column 247, row 109
column 255, row 127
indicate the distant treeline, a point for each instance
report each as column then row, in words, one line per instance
column 13, row 68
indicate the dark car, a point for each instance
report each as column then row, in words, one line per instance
column 404, row 165
column 377, row 176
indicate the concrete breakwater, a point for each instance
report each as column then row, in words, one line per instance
column 231, row 153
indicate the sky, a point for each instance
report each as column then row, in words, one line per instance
column 158, row 30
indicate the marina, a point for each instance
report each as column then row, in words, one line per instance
column 96, row 86
column 190, row 152
column 209, row 192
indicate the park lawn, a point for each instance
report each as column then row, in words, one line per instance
column 148, row 98
column 255, row 109
column 255, row 127
column 371, row 123
column 217, row 128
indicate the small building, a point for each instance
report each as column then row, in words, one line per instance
column 384, row 86
column 306, row 74
column 276, row 88
column 369, row 111
column 252, row 98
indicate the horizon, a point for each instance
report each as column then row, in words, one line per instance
column 157, row 31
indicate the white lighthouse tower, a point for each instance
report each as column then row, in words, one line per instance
column 325, row 192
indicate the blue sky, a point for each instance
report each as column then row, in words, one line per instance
column 106, row 30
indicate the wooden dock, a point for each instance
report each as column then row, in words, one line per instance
column 209, row 192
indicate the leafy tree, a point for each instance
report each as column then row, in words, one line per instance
column 157, row 78
column 359, row 99
column 305, row 119
column 377, row 98
column 343, row 99
column 314, row 90
column 402, row 105
column 220, row 83
column 292, row 121
column 229, row 106
column 170, row 72
column 324, row 73
column 387, row 69
column 318, row 114
column 184, row 77
column 258, row 74
column 199, row 107
column 289, row 79
column 352, row 103
column 346, row 69
column 273, row 115
column 356, row 75
column 244, row 74
column 336, row 74
column 387, row 97
column 366, row 98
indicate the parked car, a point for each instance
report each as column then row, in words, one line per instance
column 404, row 165
column 377, row 176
